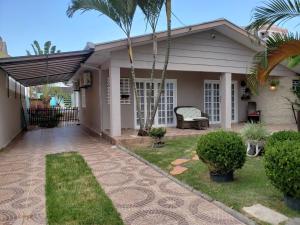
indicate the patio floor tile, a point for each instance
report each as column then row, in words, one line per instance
column 142, row 195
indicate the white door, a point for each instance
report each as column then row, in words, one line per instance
column 212, row 101
column 165, row 112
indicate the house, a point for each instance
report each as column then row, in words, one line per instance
column 207, row 68
column 208, row 64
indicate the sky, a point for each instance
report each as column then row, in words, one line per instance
column 23, row 21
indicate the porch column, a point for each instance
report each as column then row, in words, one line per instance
column 115, row 106
column 225, row 100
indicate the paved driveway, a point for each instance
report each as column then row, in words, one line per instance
column 142, row 195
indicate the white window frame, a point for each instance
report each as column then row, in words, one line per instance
column 156, row 81
column 122, row 90
column 235, row 83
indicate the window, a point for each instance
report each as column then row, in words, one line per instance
column 124, row 91
column 296, row 83
column 83, row 98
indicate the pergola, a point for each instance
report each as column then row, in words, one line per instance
column 44, row 69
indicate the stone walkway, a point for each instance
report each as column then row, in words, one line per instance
column 142, row 195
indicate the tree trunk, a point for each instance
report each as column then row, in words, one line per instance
column 133, row 84
column 298, row 120
column 163, row 75
column 149, row 92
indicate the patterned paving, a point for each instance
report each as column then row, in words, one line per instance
column 142, row 195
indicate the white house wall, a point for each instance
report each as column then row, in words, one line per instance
column 196, row 52
column 10, row 111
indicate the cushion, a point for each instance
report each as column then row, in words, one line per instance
column 189, row 113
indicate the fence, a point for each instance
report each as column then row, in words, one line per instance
column 38, row 116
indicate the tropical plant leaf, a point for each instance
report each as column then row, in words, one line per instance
column 152, row 10
column 278, row 48
column 37, row 48
column 274, row 11
column 294, row 61
column 47, row 46
column 120, row 11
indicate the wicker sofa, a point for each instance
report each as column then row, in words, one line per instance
column 190, row 117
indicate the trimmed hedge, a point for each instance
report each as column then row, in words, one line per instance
column 222, row 151
column 282, row 165
column 283, row 136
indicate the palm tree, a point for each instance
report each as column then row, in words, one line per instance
column 279, row 47
column 122, row 13
column 152, row 10
column 167, row 56
column 48, row 49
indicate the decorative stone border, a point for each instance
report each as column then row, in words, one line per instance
column 227, row 209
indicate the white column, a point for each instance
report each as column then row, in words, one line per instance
column 115, row 106
column 226, row 100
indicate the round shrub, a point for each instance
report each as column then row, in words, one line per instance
column 282, row 165
column 280, row 136
column 222, row 151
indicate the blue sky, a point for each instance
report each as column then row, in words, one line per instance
column 22, row 21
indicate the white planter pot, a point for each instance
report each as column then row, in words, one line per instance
column 254, row 148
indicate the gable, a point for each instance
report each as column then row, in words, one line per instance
column 203, row 51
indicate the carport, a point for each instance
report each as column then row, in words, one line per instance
column 44, row 69
column 17, row 73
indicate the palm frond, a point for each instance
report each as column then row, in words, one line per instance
column 278, row 48
column 152, row 10
column 37, row 48
column 53, row 49
column 294, row 61
column 47, row 46
column 274, row 11
column 120, row 11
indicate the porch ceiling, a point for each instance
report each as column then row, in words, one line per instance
column 43, row 69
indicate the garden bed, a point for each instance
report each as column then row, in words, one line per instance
column 250, row 187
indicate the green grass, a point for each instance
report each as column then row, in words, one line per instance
column 251, row 185
column 73, row 196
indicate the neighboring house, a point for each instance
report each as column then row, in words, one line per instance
column 207, row 65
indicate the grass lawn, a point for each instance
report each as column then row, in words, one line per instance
column 251, row 185
column 73, row 196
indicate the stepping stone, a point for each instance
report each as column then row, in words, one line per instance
column 195, row 158
column 294, row 221
column 265, row 214
column 178, row 162
column 178, row 170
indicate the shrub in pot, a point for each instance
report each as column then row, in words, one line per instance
column 223, row 152
column 282, row 165
column 255, row 135
column 280, row 136
column 158, row 134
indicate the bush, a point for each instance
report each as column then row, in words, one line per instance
column 222, row 151
column 158, row 133
column 254, row 132
column 282, row 165
column 283, row 136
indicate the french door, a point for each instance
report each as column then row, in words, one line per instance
column 168, row 101
column 212, row 100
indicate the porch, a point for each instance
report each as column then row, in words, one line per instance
column 129, row 136
column 218, row 94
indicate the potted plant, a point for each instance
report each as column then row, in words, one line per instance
column 158, row 134
column 223, row 152
column 255, row 135
column 283, row 169
column 273, row 84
